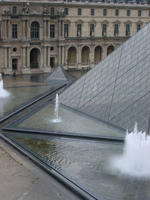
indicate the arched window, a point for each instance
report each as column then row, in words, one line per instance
column 85, row 55
column 35, row 58
column 97, row 54
column 35, row 30
column 72, row 56
column 110, row 49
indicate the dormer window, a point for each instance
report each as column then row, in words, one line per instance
column 14, row 10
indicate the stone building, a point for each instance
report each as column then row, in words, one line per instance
column 37, row 36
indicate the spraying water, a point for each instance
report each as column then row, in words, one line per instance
column 56, row 111
column 3, row 92
column 135, row 160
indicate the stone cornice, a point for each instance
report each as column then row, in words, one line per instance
column 78, row 4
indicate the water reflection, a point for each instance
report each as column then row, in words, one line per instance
column 71, row 122
column 86, row 163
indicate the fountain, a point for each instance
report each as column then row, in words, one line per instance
column 135, row 159
column 3, row 92
column 56, row 110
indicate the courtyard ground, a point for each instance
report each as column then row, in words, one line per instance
column 20, row 179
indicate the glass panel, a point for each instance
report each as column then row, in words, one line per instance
column 116, row 84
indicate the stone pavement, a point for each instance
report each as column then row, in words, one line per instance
column 20, row 179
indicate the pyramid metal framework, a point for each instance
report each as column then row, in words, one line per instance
column 57, row 75
column 117, row 90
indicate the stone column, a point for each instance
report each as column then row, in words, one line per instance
column 44, row 56
column 79, row 56
column 48, row 57
column 23, row 29
column 91, row 63
column 28, row 57
column 59, row 55
column 23, row 57
column 9, row 28
column 63, row 55
column 44, row 29
column 104, row 51
column 4, row 30
column 5, row 57
column 28, row 30
column 9, row 58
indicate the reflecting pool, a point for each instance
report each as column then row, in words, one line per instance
column 71, row 122
column 86, row 163
column 22, row 89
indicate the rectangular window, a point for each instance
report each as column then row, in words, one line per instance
column 149, row 13
column 14, row 64
column 79, row 30
column 128, row 13
column 138, row 27
column 127, row 29
column 14, row 10
column 65, row 30
column 117, row 12
column 52, row 30
column 52, row 11
column 91, row 29
column 104, row 29
column 79, row 11
column 139, row 13
column 14, row 31
column 52, row 62
column 92, row 11
column 66, row 11
column 116, row 30
column 104, row 12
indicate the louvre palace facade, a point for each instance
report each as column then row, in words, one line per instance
column 36, row 36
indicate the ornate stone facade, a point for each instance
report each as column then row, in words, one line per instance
column 37, row 36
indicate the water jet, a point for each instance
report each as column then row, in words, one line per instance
column 135, row 158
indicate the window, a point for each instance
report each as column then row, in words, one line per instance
column 91, row 29
column 127, row 29
column 117, row 12
column 14, row 49
column 14, row 10
column 138, row 27
column 92, row 11
column 65, row 30
column 79, row 30
column 52, row 48
column 149, row 13
column 52, row 62
column 35, row 30
column 52, row 30
column 105, row 12
column 104, row 29
column 139, row 13
column 14, row 64
column 66, row 11
column 14, row 31
column 52, row 11
column 79, row 11
column 128, row 13
column 116, row 30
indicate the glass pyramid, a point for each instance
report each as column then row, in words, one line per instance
column 117, row 90
column 58, row 76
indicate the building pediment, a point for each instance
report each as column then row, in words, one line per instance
column 105, row 22
column 79, row 21
column 128, row 22
column 116, row 22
